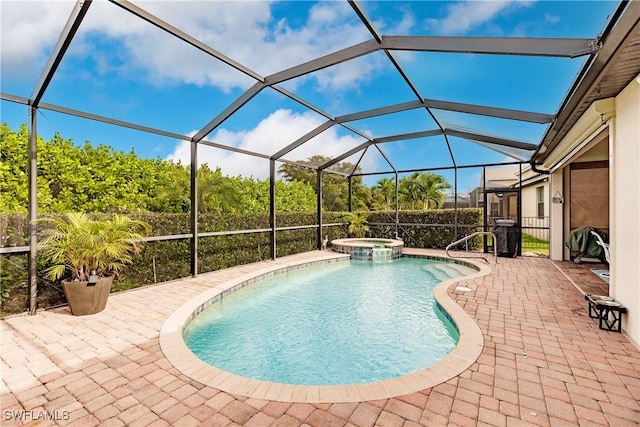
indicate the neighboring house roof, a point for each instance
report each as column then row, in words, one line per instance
column 462, row 197
column 616, row 64
column 535, row 179
column 463, row 200
column 499, row 176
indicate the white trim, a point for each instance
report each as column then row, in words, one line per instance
column 590, row 124
column 585, row 145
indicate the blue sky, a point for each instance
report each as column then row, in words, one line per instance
column 123, row 68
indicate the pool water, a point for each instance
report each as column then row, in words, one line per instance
column 348, row 322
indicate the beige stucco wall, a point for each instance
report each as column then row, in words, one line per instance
column 618, row 121
column 556, row 217
column 625, row 206
column 599, row 152
column 530, row 210
column 502, row 176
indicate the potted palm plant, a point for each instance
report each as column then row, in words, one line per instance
column 357, row 225
column 88, row 253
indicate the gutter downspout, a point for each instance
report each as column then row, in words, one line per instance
column 534, row 168
column 532, row 160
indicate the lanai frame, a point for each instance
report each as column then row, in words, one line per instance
column 568, row 48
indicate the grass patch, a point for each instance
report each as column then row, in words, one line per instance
column 531, row 244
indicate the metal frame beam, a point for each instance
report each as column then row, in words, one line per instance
column 272, row 209
column 110, row 121
column 412, row 135
column 440, row 168
column 329, row 60
column 14, row 98
column 78, row 13
column 309, row 135
column 481, row 110
column 501, row 149
column 365, row 20
column 382, row 111
column 32, row 169
column 557, row 47
column 194, row 208
column 64, row 41
column 154, row 20
column 344, row 155
column 224, row 115
column 624, row 24
column 314, row 108
column 491, row 139
column 319, row 209
column 129, row 125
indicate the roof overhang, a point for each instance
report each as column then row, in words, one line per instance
column 604, row 76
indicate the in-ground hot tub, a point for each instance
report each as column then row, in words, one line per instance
column 369, row 249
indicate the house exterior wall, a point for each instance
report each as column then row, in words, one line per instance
column 617, row 120
column 578, row 145
column 625, row 206
column 556, row 217
column 500, row 177
column 589, row 187
column 530, row 210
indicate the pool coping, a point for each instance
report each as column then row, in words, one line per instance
column 462, row 357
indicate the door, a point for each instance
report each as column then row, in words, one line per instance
column 589, row 200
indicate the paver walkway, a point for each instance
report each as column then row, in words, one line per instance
column 545, row 362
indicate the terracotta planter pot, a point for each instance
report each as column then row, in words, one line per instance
column 84, row 299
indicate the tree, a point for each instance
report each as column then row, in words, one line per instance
column 421, row 187
column 334, row 186
column 433, row 187
column 85, row 178
column 357, row 225
column 409, row 190
column 385, row 190
column 13, row 169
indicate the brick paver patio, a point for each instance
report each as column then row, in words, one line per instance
column 544, row 362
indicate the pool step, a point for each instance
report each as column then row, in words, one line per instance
column 462, row 269
column 455, row 270
column 443, row 271
column 449, row 271
column 438, row 273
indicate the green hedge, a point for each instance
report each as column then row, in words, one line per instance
column 172, row 258
column 436, row 236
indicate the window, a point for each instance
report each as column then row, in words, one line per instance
column 540, row 197
column 495, row 209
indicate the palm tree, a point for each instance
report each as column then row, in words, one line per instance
column 410, row 190
column 386, row 189
column 427, row 188
column 357, row 225
column 77, row 244
column 433, row 187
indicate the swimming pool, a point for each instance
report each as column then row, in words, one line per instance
column 347, row 323
column 220, row 285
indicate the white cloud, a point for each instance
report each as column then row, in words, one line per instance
column 244, row 31
column 273, row 133
column 29, row 29
column 551, row 19
column 464, row 16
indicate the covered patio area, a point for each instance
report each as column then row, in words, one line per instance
column 544, row 362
